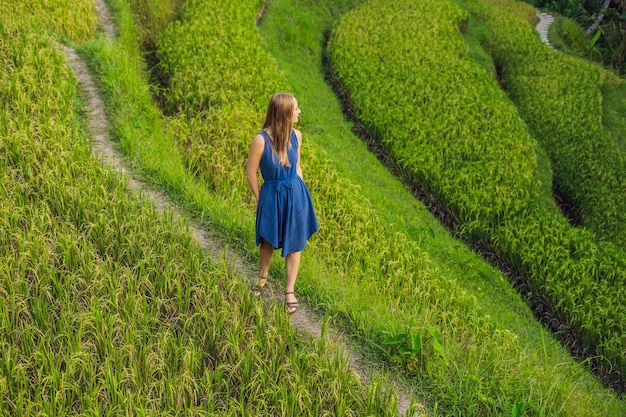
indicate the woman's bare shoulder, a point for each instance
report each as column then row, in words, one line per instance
column 258, row 143
column 258, row 139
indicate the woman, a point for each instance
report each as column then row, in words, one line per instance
column 285, row 217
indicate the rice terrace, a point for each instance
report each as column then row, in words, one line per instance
column 468, row 174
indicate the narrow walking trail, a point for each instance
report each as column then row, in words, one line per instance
column 543, row 26
column 107, row 151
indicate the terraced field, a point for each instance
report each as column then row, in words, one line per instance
column 112, row 307
column 476, row 155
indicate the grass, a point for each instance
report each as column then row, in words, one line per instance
column 567, row 36
column 613, row 109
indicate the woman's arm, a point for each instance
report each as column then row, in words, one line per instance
column 298, row 166
column 252, row 166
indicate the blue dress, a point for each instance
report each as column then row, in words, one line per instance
column 285, row 215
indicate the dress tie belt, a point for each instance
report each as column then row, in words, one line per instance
column 281, row 185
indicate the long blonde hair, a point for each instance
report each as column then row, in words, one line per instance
column 279, row 119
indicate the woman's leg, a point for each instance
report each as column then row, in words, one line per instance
column 292, row 265
column 265, row 254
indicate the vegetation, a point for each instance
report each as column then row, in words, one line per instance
column 603, row 23
column 457, row 143
column 588, row 163
column 71, row 19
column 560, row 98
column 191, row 337
column 567, row 36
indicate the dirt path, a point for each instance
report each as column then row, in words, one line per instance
column 107, row 151
column 104, row 19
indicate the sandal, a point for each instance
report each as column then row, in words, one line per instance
column 260, row 284
column 292, row 307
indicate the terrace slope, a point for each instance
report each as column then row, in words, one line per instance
column 429, row 98
column 561, row 98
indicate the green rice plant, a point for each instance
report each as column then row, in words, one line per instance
column 415, row 115
column 560, row 98
column 153, row 17
column 71, row 19
column 415, row 343
column 356, row 270
column 565, row 114
column 613, row 107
